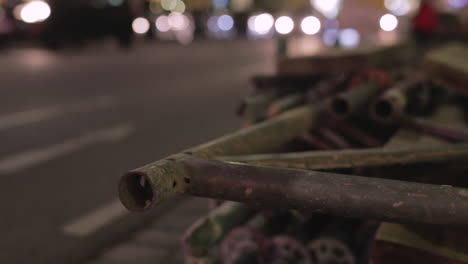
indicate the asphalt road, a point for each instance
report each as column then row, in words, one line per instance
column 72, row 122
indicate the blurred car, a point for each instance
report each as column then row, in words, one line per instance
column 76, row 21
column 60, row 22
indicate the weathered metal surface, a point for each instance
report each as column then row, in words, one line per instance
column 345, row 104
column 168, row 174
column 326, row 64
column 433, row 129
column 284, row 103
column 357, row 134
column 390, row 105
column 330, row 250
column 448, row 66
column 327, row 193
column 285, row 249
column 450, row 244
column 242, row 245
column 336, row 60
column 327, row 87
column 318, row 160
column 262, row 137
column 254, row 107
column 208, row 231
column 316, row 142
column 334, row 138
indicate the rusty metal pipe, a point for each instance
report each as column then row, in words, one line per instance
column 436, row 130
column 316, row 142
column 326, row 88
column 319, row 160
column 345, row 104
column 334, row 138
column 285, row 103
column 263, row 137
column 327, row 193
column 393, row 102
column 260, row 138
column 357, row 134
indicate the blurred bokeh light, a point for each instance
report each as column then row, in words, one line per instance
column 284, row 25
column 388, row 22
column 310, row 25
column 140, row 25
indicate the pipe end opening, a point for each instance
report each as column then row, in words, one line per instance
column 340, row 107
column 383, row 110
column 135, row 191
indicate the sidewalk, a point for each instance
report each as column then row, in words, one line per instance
column 159, row 242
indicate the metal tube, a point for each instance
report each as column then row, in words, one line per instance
column 435, row 130
column 209, row 230
column 357, row 134
column 326, row 87
column 169, row 175
column 392, row 103
column 336, row 139
column 318, row 160
column 327, row 193
column 316, row 142
column 345, row 104
column 265, row 136
column 283, row 104
column 254, row 107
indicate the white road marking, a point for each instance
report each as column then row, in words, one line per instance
column 46, row 113
column 93, row 221
column 24, row 160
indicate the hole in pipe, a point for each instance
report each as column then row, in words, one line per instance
column 383, row 109
column 137, row 191
column 340, row 107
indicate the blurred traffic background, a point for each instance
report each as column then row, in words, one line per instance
column 92, row 88
column 58, row 23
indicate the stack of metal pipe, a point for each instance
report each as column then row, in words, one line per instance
column 314, row 169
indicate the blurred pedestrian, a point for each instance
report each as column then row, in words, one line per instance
column 426, row 22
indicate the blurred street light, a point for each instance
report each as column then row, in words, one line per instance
column 310, row 25
column 162, row 23
column 329, row 8
column 402, row 7
column 168, row 4
column 140, row 25
column 178, row 21
column 263, row 23
column 349, row 38
column 330, row 37
column 284, row 25
column 225, row 22
column 35, row 11
column 388, row 22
